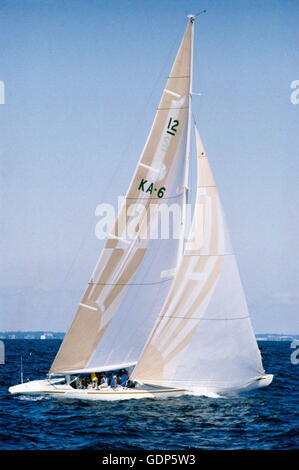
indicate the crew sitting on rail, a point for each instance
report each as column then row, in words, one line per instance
column 124, row 378
column 113, row 383
column 104, row 381
column 94, row 379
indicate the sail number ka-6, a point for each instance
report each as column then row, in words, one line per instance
column 150, row 188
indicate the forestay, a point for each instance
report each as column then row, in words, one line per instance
column 134, row 272
column 203, row 336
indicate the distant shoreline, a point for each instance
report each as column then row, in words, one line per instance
column 31, row 335
column 48, row 335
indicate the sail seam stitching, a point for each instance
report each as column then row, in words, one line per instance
column 129, row 284
column 145, row 198
column 180, row 107
column 206, row 319
column 210, row 254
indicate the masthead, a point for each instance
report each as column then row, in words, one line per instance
column 192, row 17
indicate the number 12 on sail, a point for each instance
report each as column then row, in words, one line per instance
column 172, row 126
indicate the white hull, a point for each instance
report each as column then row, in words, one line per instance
column 55, row 388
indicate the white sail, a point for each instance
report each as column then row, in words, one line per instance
column 134, row 273
column 203, row 337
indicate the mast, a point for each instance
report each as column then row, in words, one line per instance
column 188, row 148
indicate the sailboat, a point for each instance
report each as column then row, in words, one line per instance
column 172, row 311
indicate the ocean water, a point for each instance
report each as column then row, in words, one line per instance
column 265, row 419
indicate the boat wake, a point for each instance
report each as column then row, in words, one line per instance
column 204, row 393
column 32, row 397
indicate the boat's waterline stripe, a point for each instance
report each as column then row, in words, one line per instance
column 115, row 393
column 135, row 393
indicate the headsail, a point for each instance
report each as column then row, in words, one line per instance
column 203, row 336
column 131, row 279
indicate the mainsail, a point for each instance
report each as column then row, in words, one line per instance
column 203, row 336
column 134, row 272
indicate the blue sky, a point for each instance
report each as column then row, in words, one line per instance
column 82, row 80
